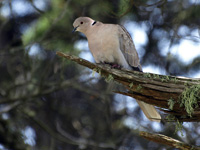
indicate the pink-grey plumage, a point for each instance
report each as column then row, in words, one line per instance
column 111, row 43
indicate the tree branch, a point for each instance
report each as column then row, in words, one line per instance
column 159, row 138
column 179, row 96
column 63, row 136
column 83, row 141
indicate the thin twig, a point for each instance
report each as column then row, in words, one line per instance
column 37, row 9
column 82, row 141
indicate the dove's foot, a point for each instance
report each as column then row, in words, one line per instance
column 116, row 66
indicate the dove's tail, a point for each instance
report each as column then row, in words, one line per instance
column 149, row 111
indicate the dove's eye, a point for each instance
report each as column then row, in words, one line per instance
column 81, row 22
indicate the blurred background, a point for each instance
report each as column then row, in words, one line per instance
column 50, row 103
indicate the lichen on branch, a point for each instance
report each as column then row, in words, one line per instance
column 176, row 96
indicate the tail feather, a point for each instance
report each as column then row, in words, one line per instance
column 149, row 111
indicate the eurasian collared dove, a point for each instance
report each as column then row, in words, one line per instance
column 111, row 43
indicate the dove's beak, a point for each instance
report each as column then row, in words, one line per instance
column 74, row 30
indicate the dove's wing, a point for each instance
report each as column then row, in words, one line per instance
column 128, row 48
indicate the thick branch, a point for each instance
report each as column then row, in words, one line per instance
column 159, row 90
column 159, row 138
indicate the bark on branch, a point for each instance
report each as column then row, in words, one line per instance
column 159, row 138
column 178, row 96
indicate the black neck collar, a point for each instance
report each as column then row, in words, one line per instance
column 94, row 23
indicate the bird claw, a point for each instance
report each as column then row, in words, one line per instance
column 116, row 66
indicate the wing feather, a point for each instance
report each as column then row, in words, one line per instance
column 128, row 48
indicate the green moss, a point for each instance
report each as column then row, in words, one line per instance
column 170, row 118
column 179, row 127
column 156, row 76
column 189, row 98
column 162, row 79
column 174, row 79
column 186, row 84
column 139, row 87
column 94, row 71
column 109, row 78
column 165, row 78
column 147, row 75
column 99, row 71
column 131, row 85
column 171, row 103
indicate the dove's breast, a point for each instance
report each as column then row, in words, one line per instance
column 104, row 46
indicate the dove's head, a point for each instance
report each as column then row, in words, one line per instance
column 82, row 24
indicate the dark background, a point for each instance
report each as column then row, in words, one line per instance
column 49, row 103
